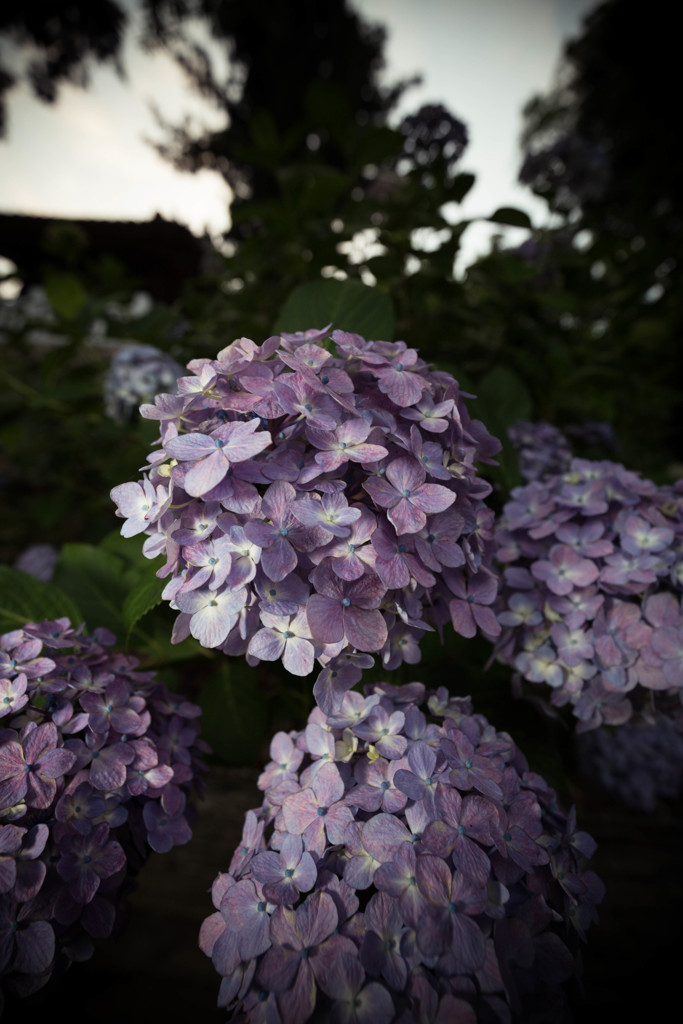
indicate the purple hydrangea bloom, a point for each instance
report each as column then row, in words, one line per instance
column 542, row 449
column 592, row 599
column 332, row 476
column 426, row 881
column 641, row 763
column 97, row 762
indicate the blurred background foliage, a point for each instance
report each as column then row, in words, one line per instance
column 341, row 213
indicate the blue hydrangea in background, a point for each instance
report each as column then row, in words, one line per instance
column 135, row 375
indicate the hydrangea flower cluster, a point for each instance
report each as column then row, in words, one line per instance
column 136, row 374
column 591, row 600
column 316, row 498
column 38, row 560
column 640, row 763
column 542, row 449
column 98, row 763
column 405, row 865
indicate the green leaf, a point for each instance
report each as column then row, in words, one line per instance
column 24, row 599
column 234, row 713
column 95, row 579
column 129, row 551
column 263, row 130
column 141, row 599
column 65, row 293
column 504, row 395
column 458, row 188
column 509, row 215
column 502, row 399
column 312, row 190
column 347, row 305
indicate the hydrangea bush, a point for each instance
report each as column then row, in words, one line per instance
column 136, row 374
column 316, row 500
column 98, row 765
column 640, row 763
column 545, row 450
column 405, row 865
column 591, row 601
column 542, row 449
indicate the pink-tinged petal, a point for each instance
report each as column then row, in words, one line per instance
column 277, row 500
column 406, row 517
column 258, row 532
column 328, row 785
column 365, row 630
column 306, row 874
column 284, row 931
column 433, row 498
column 353, row 431
column 40, row 792
column 297, row 1003
column 329, row 461
column 367, row 592
column 280, row 965
column 383, row 835
column 365, row 453
column 211, row 929
column 402, row 387
column 189, row 447
column 433, row 879
column 56, row 763
column 486, row 620
column 374, row 1005
column 279, row 560
column 462, row 618
column 325, row 619
column 299, row 657
column 484, row 587
column 211, row 625
column 406, row 474
column 267, row 866
column 381, row 491
column 204, row 475
column 35, row 948
column 40, row 740
column 667, row 642
column 344, row 979
column 267, row 645
column 299, row 811
column 242, row 442
column 393, row 572
column 317, row 918
column 225, row 954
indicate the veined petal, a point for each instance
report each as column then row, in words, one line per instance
column 205, row 474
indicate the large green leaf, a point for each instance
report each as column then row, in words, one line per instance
column 95, row 579
column 129, row 551
column 144, row 596
column 347, row 305
column 24, row 599
column 458, row 187
column 502, row 399
column 234, row 712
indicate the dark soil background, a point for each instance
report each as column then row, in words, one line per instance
column 155, row 972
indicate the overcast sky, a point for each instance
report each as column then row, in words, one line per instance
column 86, row 156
